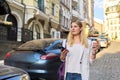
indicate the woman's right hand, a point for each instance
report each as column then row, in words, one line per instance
column 63, row 54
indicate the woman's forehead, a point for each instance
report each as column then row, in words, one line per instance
column 73, row 23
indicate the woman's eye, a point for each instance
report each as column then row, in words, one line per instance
column 75, row 26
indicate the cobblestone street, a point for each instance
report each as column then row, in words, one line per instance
column 107, row 64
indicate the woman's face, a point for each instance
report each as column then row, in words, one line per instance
column 75, row 29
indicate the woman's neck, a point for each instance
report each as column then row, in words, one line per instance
column 76, row 39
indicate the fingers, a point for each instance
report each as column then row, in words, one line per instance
column 63, row 54
column 92, row 56
column 94, row 49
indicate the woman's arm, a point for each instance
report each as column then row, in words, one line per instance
column 95, row 47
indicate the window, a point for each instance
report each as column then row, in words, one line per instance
column 41, row 5
column 53, row 9
column 56, row 45
column 58, row 35
column 53, row 34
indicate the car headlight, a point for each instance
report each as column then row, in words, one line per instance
column 25, row 77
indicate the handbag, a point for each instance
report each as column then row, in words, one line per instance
column 61, row 69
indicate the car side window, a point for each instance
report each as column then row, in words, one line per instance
column 57, row 46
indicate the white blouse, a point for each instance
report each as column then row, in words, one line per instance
column 73, row 58
column 72, row 65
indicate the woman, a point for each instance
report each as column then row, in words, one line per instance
column 77, row 53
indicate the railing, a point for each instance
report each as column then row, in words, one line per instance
column 27, row 35
column 3, row 32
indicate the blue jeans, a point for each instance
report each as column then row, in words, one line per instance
column 73, row 76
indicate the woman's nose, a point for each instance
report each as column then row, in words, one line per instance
column 72, row 28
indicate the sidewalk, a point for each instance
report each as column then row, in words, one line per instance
column 1, row 62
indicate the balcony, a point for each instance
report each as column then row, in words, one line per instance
column 75, row 13
column 75, row 1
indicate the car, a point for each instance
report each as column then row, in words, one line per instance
column 108, row 41
column 103, row 43
column 40, row 58
column 12, row 73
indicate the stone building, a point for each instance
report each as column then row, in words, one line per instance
column 36, row 19
column 112, row 18
column 52, row 8
column 98, row 24
column 65, row 17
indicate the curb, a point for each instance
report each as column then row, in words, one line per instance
column 1, row 62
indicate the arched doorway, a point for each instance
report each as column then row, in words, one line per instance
column 37, row 29
column 12, row 30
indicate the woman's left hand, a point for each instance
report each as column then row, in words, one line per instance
column 95, row 47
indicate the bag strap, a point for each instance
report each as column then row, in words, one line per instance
column 82, row 56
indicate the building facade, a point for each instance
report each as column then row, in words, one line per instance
column 38, row 19
column 88, row 13
column 29, row 20
column 52, row 8
column 98, row 24
column 65, row 17
column 112, row 18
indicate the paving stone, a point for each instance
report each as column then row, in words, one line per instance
column 107, row 64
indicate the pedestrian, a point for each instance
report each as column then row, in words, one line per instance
column 78, row 53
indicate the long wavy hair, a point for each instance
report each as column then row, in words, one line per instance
column 82, row 35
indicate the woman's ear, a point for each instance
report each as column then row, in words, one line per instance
column 81, row 28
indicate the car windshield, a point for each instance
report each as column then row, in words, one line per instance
column 36, row 44
column 102, row 40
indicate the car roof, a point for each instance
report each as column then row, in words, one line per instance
column 38, row 43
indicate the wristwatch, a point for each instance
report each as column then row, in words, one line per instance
column 94, row 52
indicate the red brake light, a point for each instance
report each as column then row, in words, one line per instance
column 49, row 56
column 8, row 55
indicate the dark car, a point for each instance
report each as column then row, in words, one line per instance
column 40, row 58
column 12, row 73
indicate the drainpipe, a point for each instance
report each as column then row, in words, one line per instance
column 22, row 2
column 23, row 23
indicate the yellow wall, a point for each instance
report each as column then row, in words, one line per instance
column 32, row 3
column 49, row 9
column 98, row 27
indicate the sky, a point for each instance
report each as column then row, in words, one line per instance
column 98, row 9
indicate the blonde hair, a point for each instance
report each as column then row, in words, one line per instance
column 82, row 36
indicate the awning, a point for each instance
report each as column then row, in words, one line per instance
column 4, row 8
